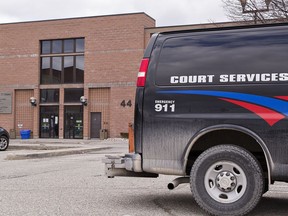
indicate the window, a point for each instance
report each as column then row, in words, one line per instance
column 73, row 95
column 62, row 61
column 226, row 52
column 49, row 95
column 56, row 69
column 69, row 46
column 63, row 46
column 68, row 69
column 45, row 70
column 46, row 47
column 79, row 69
column 57, row 46
column 80, row 45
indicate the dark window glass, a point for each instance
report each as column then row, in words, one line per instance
column 219, row 53
column 46, row 47
column 80, row 45
column 56, row 69
column 73, row 95
column 45, row 70
column 73, row 128
column 62, row 68
column 49, row 95
column 79, row 69
column 68, row 69
column 49, row 121
column 69, row 46
column 57, row 46
column 45, row 63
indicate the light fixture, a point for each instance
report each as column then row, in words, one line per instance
column 83, row 100
column 33, row 101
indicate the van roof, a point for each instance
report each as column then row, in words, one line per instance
column 231, row 27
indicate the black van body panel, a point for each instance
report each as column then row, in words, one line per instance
column 138, row 112
column 138, row 119
column 150, row 45
column 198, row 80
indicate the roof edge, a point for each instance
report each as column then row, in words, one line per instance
column 73, row 18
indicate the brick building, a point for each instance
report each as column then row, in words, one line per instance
column 47, row 66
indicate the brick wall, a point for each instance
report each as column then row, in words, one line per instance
column 121, row 116
column 23, row 111
column 114, row 46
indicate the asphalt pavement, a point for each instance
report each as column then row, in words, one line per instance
column 20, row 149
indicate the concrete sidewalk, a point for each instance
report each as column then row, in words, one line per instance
column 20, row 149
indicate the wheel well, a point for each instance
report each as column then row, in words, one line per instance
column 3, row 135
column 227, row 136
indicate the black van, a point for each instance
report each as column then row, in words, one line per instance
column 211, row 107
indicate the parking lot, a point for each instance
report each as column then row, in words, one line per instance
column 75, row 184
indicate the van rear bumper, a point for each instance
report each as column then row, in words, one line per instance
column 127, row 165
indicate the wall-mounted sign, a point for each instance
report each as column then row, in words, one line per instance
column 5, row 102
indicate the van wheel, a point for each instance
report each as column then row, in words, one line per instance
column 227, row 180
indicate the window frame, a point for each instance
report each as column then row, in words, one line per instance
column 74, row 54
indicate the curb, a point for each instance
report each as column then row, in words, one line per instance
column 54, row 153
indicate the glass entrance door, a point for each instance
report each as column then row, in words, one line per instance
column 73, row 122
column 49, row 122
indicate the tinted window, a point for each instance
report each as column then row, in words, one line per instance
column 79, row 69
column 73, row 95
column 63, row 61
column 80, row 45
column 49, row 95
column 68, row 69
column 45, row 70
column 56, row 69
column 223, row 53
column 68, row 46
column 45, row 63
column 57, row 46
column 63, row 46
column 46, row 47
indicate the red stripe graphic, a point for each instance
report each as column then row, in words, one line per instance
column 282, row 97
column 270, row 116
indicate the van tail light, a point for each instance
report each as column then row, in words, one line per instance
column 142, row 72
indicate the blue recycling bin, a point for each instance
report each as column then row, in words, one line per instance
column 25, row 134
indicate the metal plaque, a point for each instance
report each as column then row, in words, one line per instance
column 5, row 102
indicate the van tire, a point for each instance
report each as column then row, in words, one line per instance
column 227, row 180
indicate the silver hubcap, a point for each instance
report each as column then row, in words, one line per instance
column 225, row 182
column 3, row 143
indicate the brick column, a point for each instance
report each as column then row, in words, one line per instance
column 86, row 120
column 61, row 113
column 36, row 114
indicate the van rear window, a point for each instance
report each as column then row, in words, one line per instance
column 221, row 58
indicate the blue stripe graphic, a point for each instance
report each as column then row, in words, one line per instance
column 272, row 103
